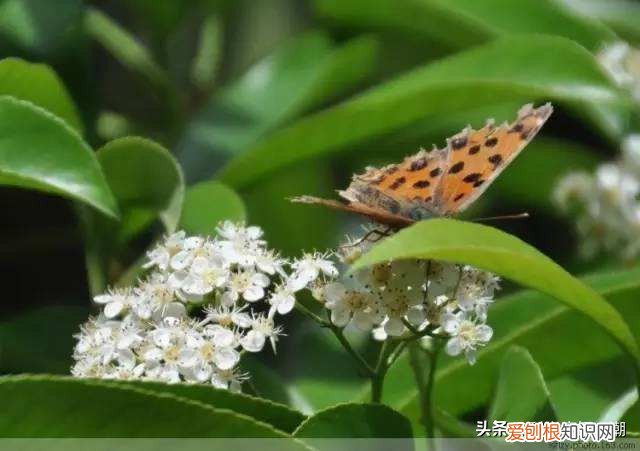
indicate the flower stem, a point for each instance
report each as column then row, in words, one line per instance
column 425, row 383
column 347, row 346
column 312, row 316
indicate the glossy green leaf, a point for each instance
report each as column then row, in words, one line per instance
column 504, row 254
column 533, row 321
column 48, row 406
column 474, row 21
column 279, row 416
column 521, row 394
column 561, row 71
column 143, row 174
column 41, row 340
column 208, row 203
column 40, row 85
column 39, row 151
column 148, row 184
column 355, row 421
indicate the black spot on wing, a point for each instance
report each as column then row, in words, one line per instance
column 459, row 166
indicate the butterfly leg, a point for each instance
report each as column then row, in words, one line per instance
column 373, row 235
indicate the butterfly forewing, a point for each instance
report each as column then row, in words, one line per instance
column 477, row 157
column 441, row 182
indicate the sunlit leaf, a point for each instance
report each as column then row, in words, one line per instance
column 39, row 151
column 493, row 250
column 356, row 421
column 52, row 406
column 511, row 402
column 474, row 21
column 40, row 85
column 561, row 71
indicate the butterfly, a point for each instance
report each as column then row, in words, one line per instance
column 442, row 182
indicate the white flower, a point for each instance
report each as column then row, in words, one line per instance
column 310, row 267
column 270, row 263
column 246, row 283
column 162, row 254
column 623, row 64
column 203, row 354
column 206, row 274
column 228, row 380
column 240, row 245
column 348, row 303
column 116, row 301
column 466, row 335
column 228, row 316
column 618, row 184
column 283, row 299
column 145, row 331
column 263, row 328
column 604, row 209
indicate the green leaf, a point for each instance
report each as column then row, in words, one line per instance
column 143, row 174
column 587, row 394
column 474, row 21
column 531, row 320
column 40, row 341
column 617, row 410
column 355, row 421
column 621, row 15
column 51, row 158
column 299, row 75
column 123, row 46
column 148, row 184
column 279, row 416
column 208, row 203
column 522, row 394
column 40, row 85
column 205, row 62
column 504, row 254
column 561, row 70
column 52, row 406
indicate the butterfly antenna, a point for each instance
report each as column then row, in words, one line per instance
column 524, row 215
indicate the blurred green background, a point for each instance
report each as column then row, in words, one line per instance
column 277, row 98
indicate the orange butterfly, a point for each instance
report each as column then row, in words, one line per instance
column 441, row 182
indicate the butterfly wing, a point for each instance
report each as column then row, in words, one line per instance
column 477, row 157
column 441, row 182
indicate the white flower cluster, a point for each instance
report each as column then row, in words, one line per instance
column 232, row 285
column 407, row 297
column 606, row 205
column 622, row 62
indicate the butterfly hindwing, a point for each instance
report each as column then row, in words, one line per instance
column 405, row 189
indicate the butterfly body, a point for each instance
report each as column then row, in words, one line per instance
column 442, row 182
